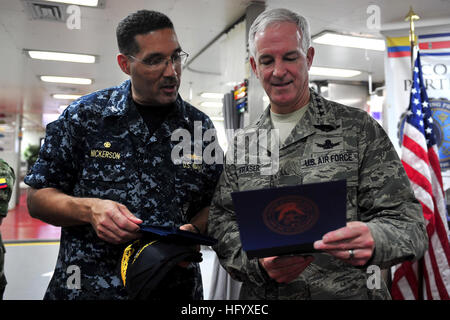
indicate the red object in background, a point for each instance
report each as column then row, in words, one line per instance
column 19, row 226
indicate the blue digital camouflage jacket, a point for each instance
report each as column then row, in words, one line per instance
column 100, row 147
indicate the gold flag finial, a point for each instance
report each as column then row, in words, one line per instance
column 411, row 16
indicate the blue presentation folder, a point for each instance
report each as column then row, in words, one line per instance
column 288, row 220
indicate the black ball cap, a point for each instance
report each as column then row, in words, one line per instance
column 146, row 263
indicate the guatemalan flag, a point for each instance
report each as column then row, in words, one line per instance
column 421, row 162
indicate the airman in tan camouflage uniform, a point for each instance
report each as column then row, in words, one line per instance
column 7, row 179
column 330, row 142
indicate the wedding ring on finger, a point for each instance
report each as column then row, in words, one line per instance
column 351, row 253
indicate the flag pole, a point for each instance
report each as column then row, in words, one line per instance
column 411, row 16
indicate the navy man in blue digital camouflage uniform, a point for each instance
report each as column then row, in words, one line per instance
column 106, row 167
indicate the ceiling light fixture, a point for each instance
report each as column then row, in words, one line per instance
column 211, row 95
column 333, row 72
column 211, row 104
column 361, row 42
column 61, row 56
column 88, row 3
column 70, row 80
column 65, row 96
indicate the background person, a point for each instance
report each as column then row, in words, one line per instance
column 7, row 179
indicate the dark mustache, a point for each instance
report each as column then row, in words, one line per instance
column 170, row 81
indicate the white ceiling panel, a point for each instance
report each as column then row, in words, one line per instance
column 197, row 22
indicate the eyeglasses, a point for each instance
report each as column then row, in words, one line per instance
column 159, row 62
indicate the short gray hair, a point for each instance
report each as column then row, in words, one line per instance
column 279, row 15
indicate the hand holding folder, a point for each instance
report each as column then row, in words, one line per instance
column 354, row 243
column 285, row 269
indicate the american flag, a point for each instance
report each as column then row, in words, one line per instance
column 420, row 159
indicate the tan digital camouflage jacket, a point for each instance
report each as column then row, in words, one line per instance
column 7, row 179
column 331, row 142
